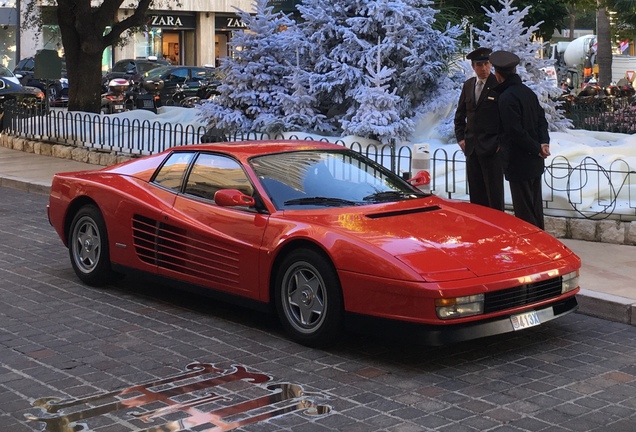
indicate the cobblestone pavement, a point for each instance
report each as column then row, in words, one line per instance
column 59, row 338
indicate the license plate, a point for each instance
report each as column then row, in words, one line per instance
column 525, row 320
column 119, row 107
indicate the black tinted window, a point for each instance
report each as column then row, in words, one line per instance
column 178, row 75
column 146, row 66
column 124, row 66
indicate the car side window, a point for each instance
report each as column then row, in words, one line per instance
column 199, row 75
column 4, row 72
column 120, row 66
column 170, row 175
column 178, row 75
column 212, row 172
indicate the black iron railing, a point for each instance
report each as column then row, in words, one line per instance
column 584, row 189
column 604, row 114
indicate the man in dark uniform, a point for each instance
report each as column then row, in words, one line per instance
column 524, row 138
column 476, row 128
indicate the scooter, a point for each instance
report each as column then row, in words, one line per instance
column 181, row 98
column 114, row 100
column 149, row 95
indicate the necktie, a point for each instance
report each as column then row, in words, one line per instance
column 478, row 88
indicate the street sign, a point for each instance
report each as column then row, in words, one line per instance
column 630, row 75
column 48, row 65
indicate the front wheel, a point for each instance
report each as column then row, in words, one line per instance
column 308, row 298
column 88, row 247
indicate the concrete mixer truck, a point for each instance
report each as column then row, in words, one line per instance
column 579, row 63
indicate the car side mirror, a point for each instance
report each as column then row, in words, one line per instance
column 232, row 198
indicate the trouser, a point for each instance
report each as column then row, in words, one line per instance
column 527, row 200
column 485, row 180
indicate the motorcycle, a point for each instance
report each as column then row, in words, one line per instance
column 181, row 97
column 148, row 95
column 188, row 97
column 114, row 100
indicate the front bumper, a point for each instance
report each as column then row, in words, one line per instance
column 435, row 335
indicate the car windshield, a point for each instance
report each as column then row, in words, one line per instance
column 4, row 72
column 147, row 66
column 157, row 72
column 323, row 178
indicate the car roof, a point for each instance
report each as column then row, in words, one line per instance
column 171, row 66
column 241, row 150
column 247, row 149
column 158, row 61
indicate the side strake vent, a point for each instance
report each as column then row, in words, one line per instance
column 179, row 250
column 403, row 212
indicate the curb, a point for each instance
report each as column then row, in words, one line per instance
column 37, row 188
column 607, row 306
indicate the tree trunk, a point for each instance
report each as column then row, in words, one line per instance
column 604, row 47
column 83, row 47
column 84, row 82
column 572, row 11
column 83, row 26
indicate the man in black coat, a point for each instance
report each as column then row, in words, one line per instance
column 524, row 138
column 476, row 129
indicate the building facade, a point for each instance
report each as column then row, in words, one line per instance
column 195, row 33
column 9, row 25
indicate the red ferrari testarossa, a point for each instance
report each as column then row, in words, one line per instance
column 318, row 233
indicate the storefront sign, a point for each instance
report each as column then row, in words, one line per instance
column 181, row 21
column 229, row 23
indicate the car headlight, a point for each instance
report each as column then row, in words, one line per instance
column 569, row 281
column 458, row 307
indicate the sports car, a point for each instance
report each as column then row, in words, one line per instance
column 24, row 97
column 318, row 234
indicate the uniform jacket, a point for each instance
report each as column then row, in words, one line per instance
column 523, row 130
column 477, row 122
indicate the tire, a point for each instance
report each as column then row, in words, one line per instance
column 308, row 298
column 88, row 248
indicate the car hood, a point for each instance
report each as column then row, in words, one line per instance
column 444, row 240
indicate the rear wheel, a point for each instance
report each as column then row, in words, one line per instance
column 88, row 247
column 308, row 298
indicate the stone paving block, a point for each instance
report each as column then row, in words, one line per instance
column 62, row 339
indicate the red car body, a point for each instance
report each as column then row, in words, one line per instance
column 449, row 270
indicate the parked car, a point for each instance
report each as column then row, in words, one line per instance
column 181, row 82
column 28, row 98
column 55, row 90
column 133, row 69
column 8, row 75
column 318, row 233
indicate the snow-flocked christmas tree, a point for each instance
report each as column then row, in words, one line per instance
column 299, row 107
column 377, row 115
column 254, row 75
column 342, row 36
column 507, row 32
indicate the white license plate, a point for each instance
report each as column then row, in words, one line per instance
column 525, row 320
column 119, row 107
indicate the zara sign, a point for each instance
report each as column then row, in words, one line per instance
column 180, row 21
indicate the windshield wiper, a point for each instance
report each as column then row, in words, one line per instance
column 326, row 201
column 388, row 196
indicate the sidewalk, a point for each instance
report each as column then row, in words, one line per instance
column 608, row 274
